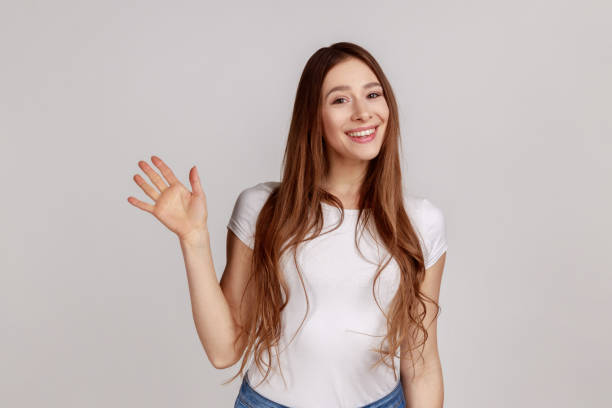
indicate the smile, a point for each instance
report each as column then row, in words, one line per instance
column 364, row 136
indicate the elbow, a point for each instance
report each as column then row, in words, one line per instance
column 225, row 358
column 219, row 365
column 222, row 363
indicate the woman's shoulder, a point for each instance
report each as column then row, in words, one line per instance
column 429, row 221
column 255, row 195
column 421, row 208
column 249, row 203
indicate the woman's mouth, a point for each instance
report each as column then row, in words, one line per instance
column 365, row 136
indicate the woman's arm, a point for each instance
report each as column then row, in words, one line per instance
column 424, row 387
column 211, row 311
column 426, row 390
column 185, row 213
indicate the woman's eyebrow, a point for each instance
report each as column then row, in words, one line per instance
column 346, row 87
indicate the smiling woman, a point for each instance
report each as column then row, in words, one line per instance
column 311, row 304
column 332, row 306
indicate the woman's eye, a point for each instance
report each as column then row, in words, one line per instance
column 373, row 93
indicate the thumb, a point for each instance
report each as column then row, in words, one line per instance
column 194, row 179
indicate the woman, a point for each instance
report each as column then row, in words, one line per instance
column 332, row 271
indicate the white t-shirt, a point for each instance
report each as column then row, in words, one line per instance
column 328, row 362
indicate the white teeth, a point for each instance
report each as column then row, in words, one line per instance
column 362, row 133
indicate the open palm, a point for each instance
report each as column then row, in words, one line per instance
column 180, row 210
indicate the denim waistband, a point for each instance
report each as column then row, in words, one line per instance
column 247, row 396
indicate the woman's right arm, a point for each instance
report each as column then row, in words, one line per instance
column 185, row 214
column 215, row 306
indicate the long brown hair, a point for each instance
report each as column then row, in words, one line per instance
column 293, row 209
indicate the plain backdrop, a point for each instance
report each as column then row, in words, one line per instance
column 505, row 113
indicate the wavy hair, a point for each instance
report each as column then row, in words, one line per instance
column 293, row 209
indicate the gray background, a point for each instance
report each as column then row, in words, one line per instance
column 505, row 117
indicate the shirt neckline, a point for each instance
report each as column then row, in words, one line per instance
column 329, row 207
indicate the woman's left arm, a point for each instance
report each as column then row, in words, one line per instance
column 423, row 386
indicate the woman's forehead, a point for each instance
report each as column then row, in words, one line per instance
column 352, row 74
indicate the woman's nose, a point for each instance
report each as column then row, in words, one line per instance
column 361, row 111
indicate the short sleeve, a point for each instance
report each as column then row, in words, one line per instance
column 433, row 231
column 246, row 210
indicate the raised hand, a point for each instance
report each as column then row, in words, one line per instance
column 182, row 211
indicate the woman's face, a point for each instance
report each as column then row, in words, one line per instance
column 352, row 98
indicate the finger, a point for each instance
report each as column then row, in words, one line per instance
column 140, row 204
column 196, row 184
column 165, row 170
column 153, row 176
column 150, row 191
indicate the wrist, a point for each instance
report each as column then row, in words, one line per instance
column 195, row 237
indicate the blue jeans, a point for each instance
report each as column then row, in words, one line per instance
column 249, row 398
